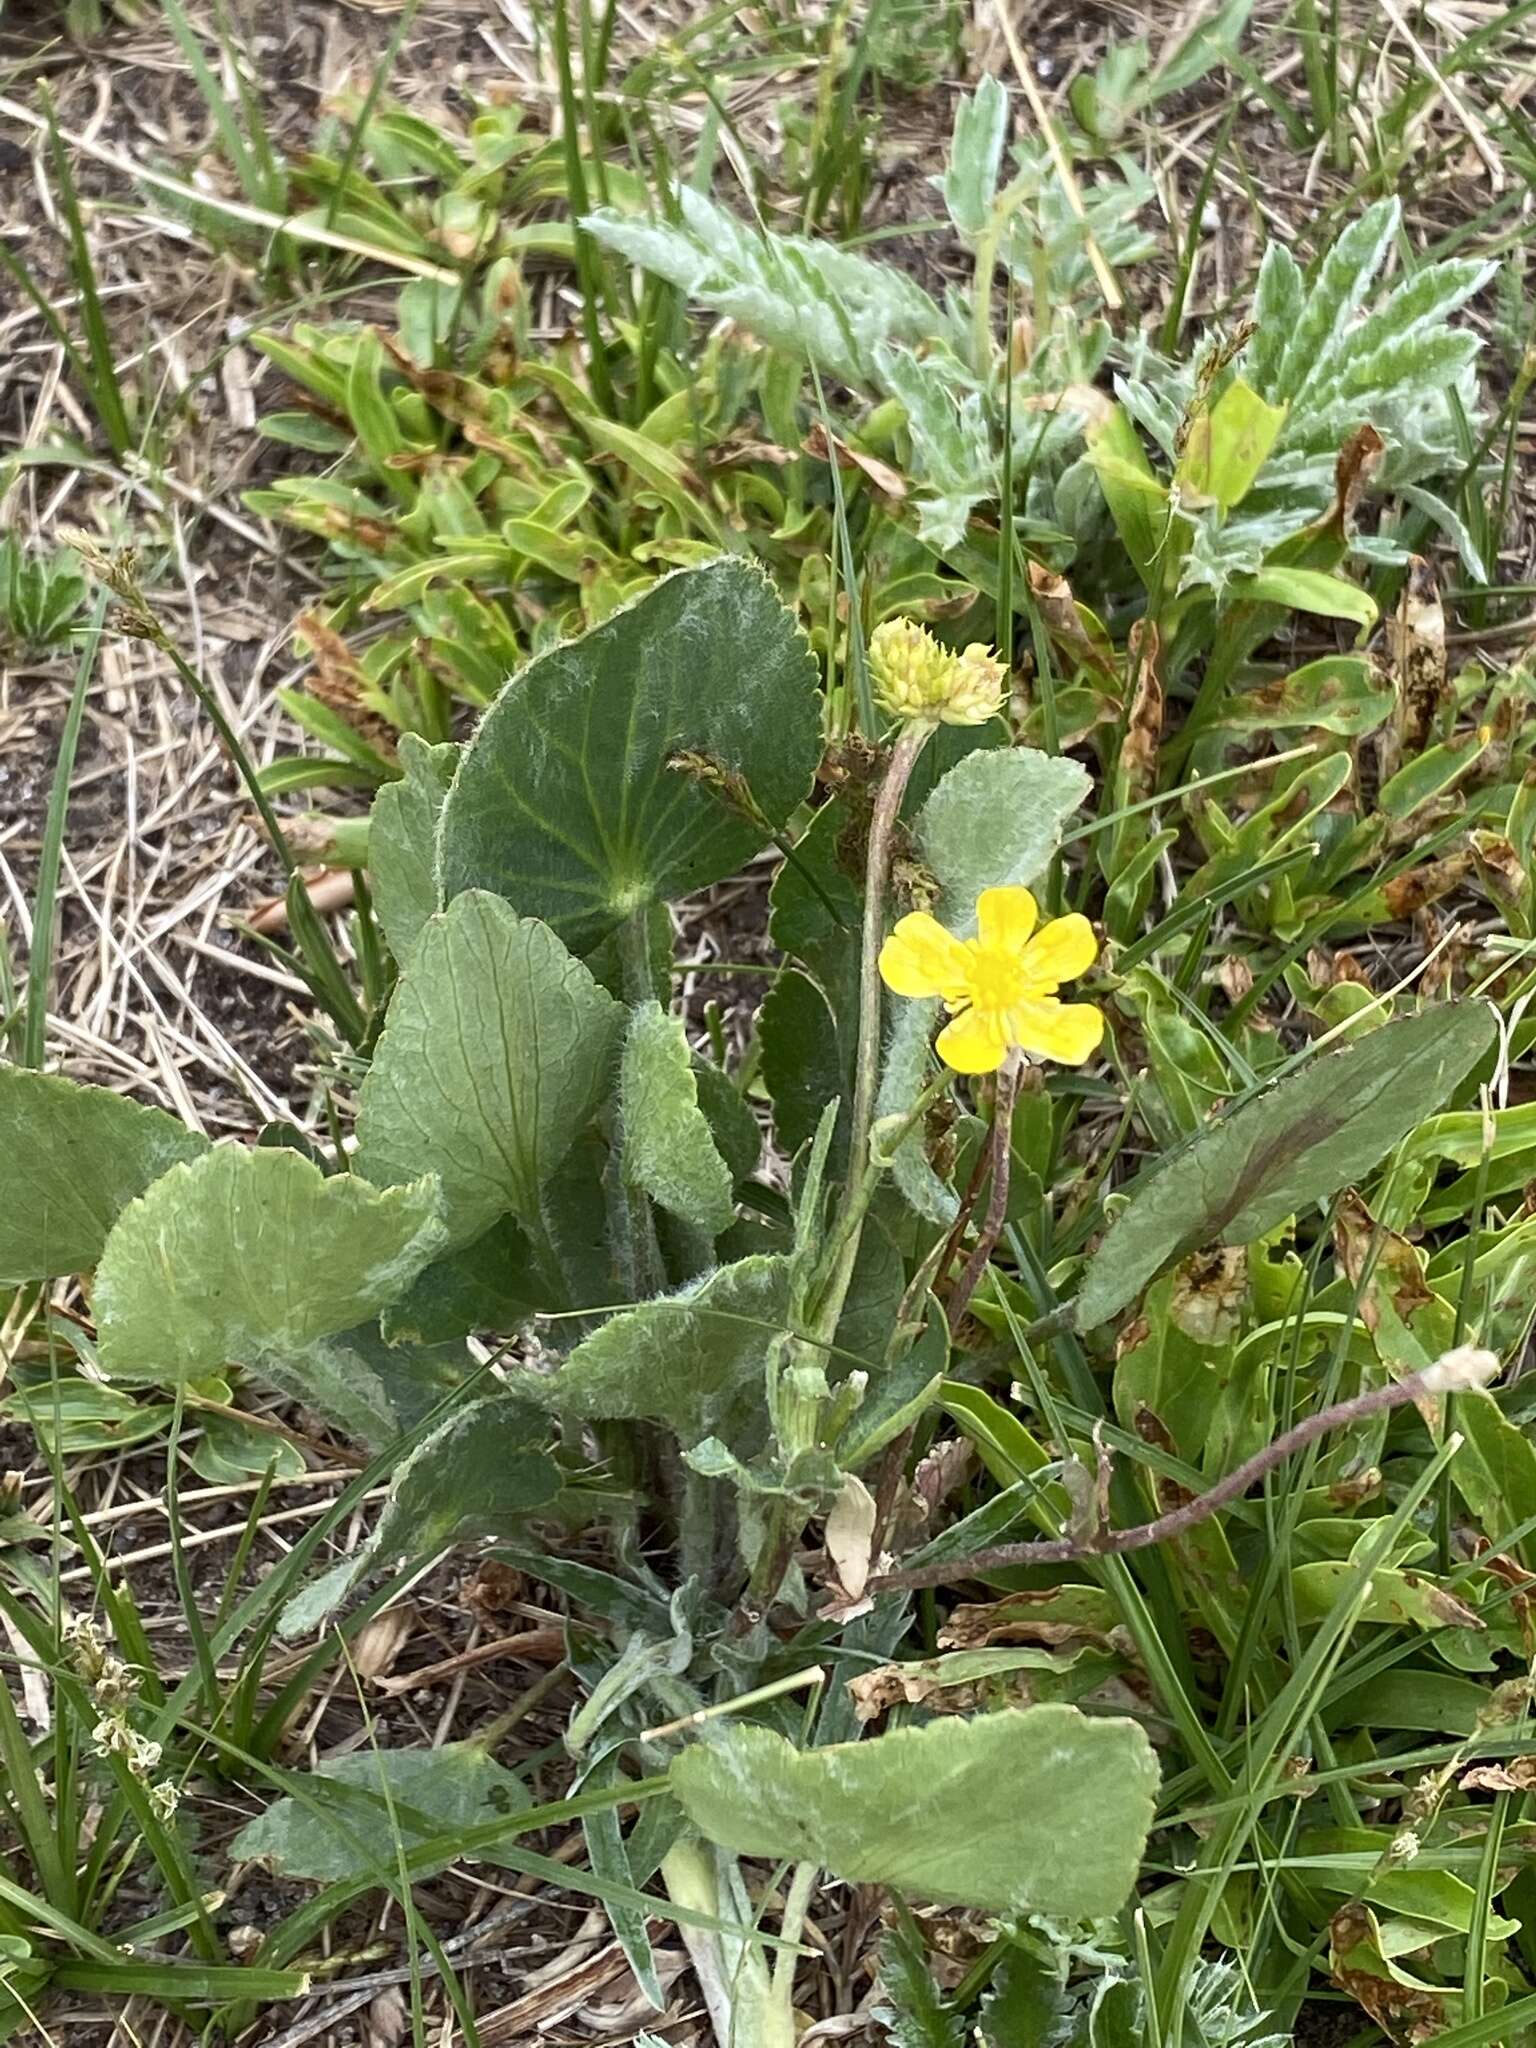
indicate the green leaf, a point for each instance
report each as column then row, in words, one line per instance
column 567, row 801
column 498, row 1049
column 253, row 1257
column 488, row 1285
column 920, row 2014
column 478, row 1474
column 1294, row 1145
column 996, row 819
column 1137, row 501
column 1306, row 590
column 802, row 1066
column 1336, row 693
column 1495, row 1469
column 902, row 1080
column 693, row 1360
column 975, row 154
column 807, row 298
column 75, row 1158
column 402, row 841
column 668, row 1147
column 1038, row 1810
column 356, row 1809
column 1228, row 445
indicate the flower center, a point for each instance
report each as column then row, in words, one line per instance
column 997, row 977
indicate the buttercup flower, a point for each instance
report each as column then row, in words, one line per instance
column 920, row 682
column 1000, row 987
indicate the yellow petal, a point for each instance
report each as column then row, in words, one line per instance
column 1006, row 917
column 920, row 958
column 1048, row 1030
column 1059, row 951
column 975, row 1042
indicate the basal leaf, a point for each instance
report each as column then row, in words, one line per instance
column 1295, row 1145
column 572, row 801
column 1038, row 1810
column 357, row 1809
column 668, row 1147
column 976, row 152
column 693, row 1360
column 476, row 1475
column 248, row 1256
column 75, row 1157
column 498, row 1049
column 996, row 819
column 402, row 841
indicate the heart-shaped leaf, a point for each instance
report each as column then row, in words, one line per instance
column 1034, row 1810
column 498, row 1049
column 576, row 800
column 253, row 1256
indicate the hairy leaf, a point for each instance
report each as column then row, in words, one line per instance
column 75, row 1157
column 996, row 819
column 357, row 1811
column 1038, row 1810
column 402, row 841
column 693, row 1360
column 668, row 1146
column 574, row 801
column 498, row 1049
column 250, row 1257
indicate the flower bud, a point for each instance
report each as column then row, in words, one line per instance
column 977, row 687
column 911, row 671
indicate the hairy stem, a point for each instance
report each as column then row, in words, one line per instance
column 882, row 831
column 997, row 1199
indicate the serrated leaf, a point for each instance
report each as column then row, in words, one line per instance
column 253, row 1258
column 919, row 2014
column 402, row 841
column 692, row 1360
column 1347, row 273
column 996, row 819
column 358, row 1810
column 668, row 1147
column 498, row 1049
column 1038, row 1810
column 1294, row 1145
column 75, row 1157
column 1277, row 303
column 807, row 298
column 568, row 801
column 969, row 183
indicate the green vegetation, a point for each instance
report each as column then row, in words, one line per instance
column 1012, row 1395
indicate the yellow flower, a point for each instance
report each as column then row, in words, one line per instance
column 1000, row 987
column 977, row 687
column 922, row 683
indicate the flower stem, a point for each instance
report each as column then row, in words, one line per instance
column 882, row 832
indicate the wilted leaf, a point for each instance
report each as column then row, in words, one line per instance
column 253, row 1257
column 498, row 1049
column 359, row 1810
column 1294, row 1145
column 402, row 841
column 1035, row 1810
column 1337, row 694
column 571, row 800
column 668, row 1147
column 75, row 1157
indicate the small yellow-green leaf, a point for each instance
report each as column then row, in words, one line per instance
column 1228, row 444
